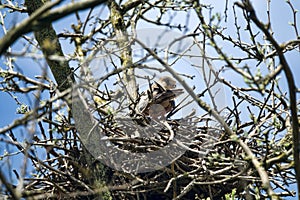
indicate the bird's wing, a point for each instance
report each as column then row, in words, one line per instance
column 177, row 92
column 157, row 94
column 167, row 95
column 163, row 96
column 158, row 86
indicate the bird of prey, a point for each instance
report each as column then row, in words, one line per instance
column 158, row 101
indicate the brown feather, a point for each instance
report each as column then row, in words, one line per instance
column 160, row 99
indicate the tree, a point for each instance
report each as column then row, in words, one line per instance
column 81, row 135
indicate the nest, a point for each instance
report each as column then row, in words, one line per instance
column 205, row 162
column 202, row 161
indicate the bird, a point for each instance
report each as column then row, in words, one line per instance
column 159, row 99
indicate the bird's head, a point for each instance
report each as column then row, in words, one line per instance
column 167, row 82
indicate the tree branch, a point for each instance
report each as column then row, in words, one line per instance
column 118, row 23
column 261, row 171
column 41, row 17
column 291, row 85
